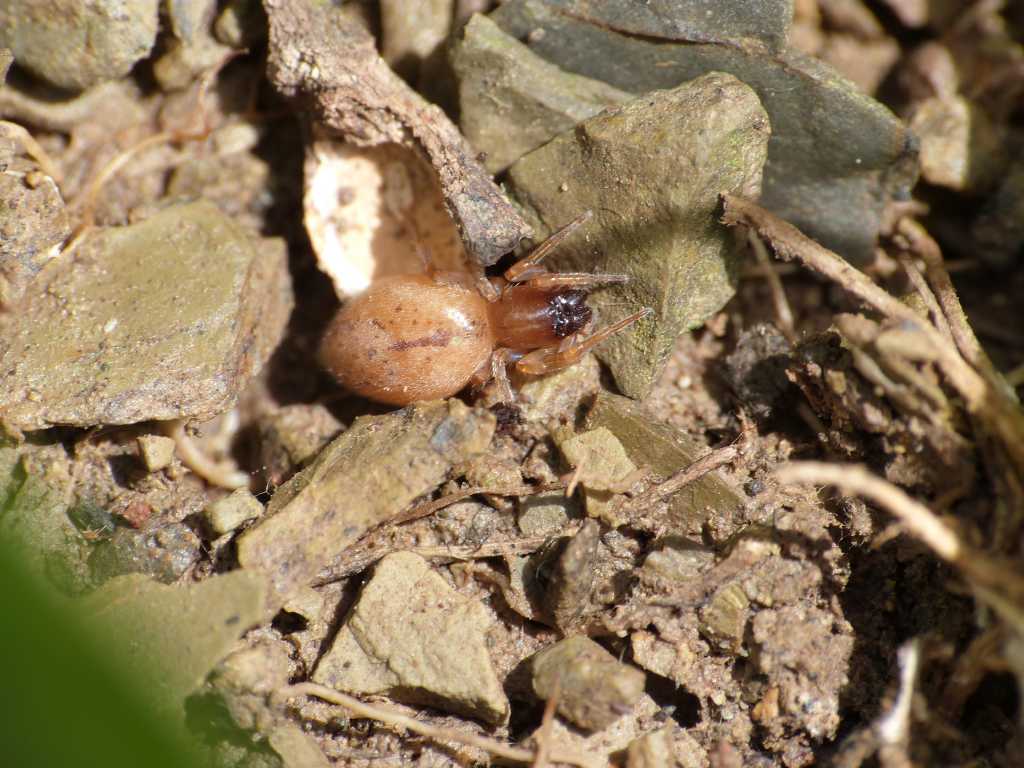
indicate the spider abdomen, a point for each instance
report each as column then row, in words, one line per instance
column 410, row 338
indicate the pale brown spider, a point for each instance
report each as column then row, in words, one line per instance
column 423, row 337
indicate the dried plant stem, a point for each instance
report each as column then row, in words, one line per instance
column 922, row 244
column 491, row 746
column 783, row 313
column 427, row 508
column 34, row 150
column 88, row 199
column 222, row 474
column 680, row 479
column 523, row 546
column 857, row 480
column 995, row 581
column 924, row 290
column 997, row 413
column 543, row 737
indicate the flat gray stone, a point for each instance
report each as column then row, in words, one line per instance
column 512, row 101
column 835, row 157
column 595, row 688
column 75, row 44
column 651, row 171
column 367, row 475
column 163, row 319
column 689, row 20
column 665, row 450
column 414, row 638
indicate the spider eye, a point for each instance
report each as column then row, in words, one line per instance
column 569, row 313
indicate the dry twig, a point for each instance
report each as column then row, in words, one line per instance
column 857, row 480
column 88, row 199
column 995, row 581
column 996, row 412
column 544, row 734
column 222, row 474
column 396, row 720
column 783, row 313
column 711, row 461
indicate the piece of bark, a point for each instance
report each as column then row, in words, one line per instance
column 329, row 61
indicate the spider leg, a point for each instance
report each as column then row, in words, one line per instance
column 483, row 283
column 500, row 359
column 530, row 263
column 552, row 359
column 495, row 369
column 580, row 280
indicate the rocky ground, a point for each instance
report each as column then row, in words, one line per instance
column 776, row 522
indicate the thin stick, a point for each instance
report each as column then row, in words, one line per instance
column 683, row 477
column 88, row 199
column 34, row 150
column 488, row 549
column 996, row 582
column 1015, row 377
column 544, row 735
column 783, row 313
column 222, row 474
column 925, row 292
column 924, row 245
column 855, row 479
column 893, row 727
column 992, row 405
column 427, row 508
column 371, row 712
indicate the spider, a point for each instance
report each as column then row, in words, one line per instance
column 428, row 336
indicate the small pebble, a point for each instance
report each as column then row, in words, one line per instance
column 231, row 512
column 156, row 451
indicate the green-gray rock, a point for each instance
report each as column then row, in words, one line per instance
column 74, row 44
column 156, row 451
column 162, row 319
column 723, row 618
column 414, row 638
column 170, row 637
column 600, row 464
column 595, row 689
column 665, row 450
column 165, row 553
column 689, row 20
column 651, row 172
column 296, row 747
column 33, row 224
column 836, row 156
column 546, row 513
column 231, row 512
column 512, row 101
column 368, row 474
column 35, row 492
